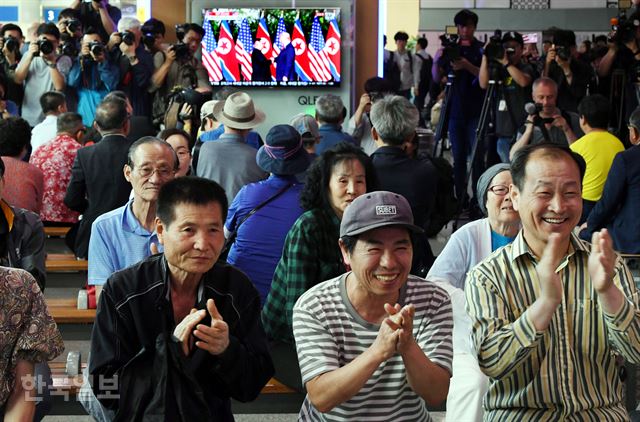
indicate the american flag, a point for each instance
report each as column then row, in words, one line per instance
column 277, row 46
column 210, row 59
column 317, row 55
column 244, row 47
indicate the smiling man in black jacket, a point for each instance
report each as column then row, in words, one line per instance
column 177, row 335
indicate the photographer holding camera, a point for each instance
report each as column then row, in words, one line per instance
column 178, row 67
column 134, row 62
column 502, row 62
column 99, row 15
column 93, row 75
column 41, row 70
column 153, row 31
column 546, row 122
column 463, row 59
column 11, row 40
column 572, row 76
column 622, row 61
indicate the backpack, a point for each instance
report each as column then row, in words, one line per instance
column 425, row 73
column 391, row 72
column 446, row 207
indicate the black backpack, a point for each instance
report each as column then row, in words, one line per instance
column 446, row 207
column 425, row 73
column 392, row 72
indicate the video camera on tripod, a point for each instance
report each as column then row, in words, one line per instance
column 450, row 49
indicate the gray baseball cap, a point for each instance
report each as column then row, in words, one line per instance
column 377, row 209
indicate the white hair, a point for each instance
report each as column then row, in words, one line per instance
column 128, row 23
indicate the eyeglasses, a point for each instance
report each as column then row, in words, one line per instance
column 163, row 172
column 499, row 190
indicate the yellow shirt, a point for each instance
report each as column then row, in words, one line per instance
column 566, row 372
column 598, row 150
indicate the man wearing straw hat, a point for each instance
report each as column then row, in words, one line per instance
column 230, row 161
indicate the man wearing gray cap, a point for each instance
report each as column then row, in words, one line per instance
column 375, row 341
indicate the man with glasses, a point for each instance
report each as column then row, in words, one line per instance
column 97, row 182
column 126, row 235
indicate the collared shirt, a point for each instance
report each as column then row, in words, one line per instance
column 55, row 160
column 117, row 241
column 44, row 132
column 230, row 162
column 567, row 371
column 330, row 136
column 258, row 245
column 28, row 331
column 253, row 138
column 310, row 255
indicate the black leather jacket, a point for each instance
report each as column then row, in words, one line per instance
column 132, row 339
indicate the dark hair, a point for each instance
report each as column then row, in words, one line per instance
column 377, row 84
column 15, row 135
column 596, row 110
column 401, row 36
column 564, row 37
column 193, row 27
column 223, row 93
column 189, row 190
column 68, row 13
column 315, row 194
column 68, row 122
column 553, row 151
column 10, row 27
column 601, row 38
column 92, row 31
column 151, row 140
column 349, row 242
column 423, row 42
column 166, row 133
column 153, row 26
column 48, row 28
column 111, row 114
column 51, row 100
column 1, row 168
column 465, row 17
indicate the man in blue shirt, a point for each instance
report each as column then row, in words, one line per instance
column 126, row 235
column 330, row 114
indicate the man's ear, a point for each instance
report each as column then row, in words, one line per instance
column 160, row 230
column 376, row 136
column 345, row 254
column 127, row 172
column 514, row 192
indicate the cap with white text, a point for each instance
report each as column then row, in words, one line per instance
column 377, row 209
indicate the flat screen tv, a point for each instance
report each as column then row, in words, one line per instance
column 272, row 47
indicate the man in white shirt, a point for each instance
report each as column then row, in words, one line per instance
column 404, row 60
column 53, row 104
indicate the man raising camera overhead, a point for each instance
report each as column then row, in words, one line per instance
column 178, row 66
column 502, row 63
column 98, row 14
column 572, row 76
column 93, row 75
column 41, row 70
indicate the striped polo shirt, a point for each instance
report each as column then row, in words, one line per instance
column 569, row 370
column 330, row 333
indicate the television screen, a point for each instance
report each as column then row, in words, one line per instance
column 272, row 47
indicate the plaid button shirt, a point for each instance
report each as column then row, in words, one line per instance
column 310, row 255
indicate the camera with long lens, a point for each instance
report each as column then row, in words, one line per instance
column 96, row 48
column 128, row 38
column 495, row 50
column 181, row 31
column 45, row 47
column 563, row 52
column 73, row 25
column 181, row 49
column 450, row 49
column 11, row 43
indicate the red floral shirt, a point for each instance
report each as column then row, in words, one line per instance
column 55, row 159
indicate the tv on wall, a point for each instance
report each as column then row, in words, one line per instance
column 272, row 47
